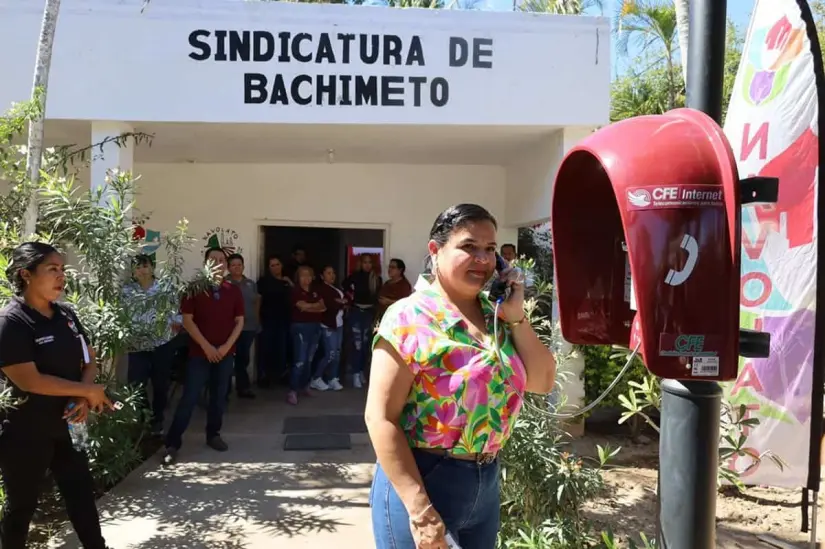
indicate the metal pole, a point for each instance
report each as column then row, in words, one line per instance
column 706, row 56
column 814, row 520
column 688, row 461
column 689, row 442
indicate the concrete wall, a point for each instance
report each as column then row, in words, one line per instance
column 240, row 198
column 531, row 175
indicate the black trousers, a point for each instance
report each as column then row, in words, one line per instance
column 23, row 464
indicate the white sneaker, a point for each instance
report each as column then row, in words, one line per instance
column 356, row 381
column 318, row 384
column 334, row 384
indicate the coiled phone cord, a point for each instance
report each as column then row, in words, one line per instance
column 527, row 402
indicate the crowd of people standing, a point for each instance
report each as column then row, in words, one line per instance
column 303, row 321
column 308, row 320
column 47, row 357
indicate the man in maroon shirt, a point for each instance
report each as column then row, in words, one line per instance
column 214, row 321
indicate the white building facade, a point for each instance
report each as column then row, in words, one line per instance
column 276, row 114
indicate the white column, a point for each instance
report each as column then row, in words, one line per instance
column 103, row 162
column 111, row 157
column 573, row 135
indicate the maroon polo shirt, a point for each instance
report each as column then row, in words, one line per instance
column 214, row 313
column 312, row 296
column 329, row 295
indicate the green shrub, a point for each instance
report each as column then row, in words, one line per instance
column 601, row 366
column 116, row 439
column 543, row 484
column 609, row 542
column 95, row 230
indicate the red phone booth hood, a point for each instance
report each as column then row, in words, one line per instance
column 646, row 235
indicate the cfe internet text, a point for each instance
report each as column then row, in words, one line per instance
column 342, row 49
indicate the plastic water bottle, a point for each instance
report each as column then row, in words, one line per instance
column 79, row 433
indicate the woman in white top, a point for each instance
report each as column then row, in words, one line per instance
column 332, row 331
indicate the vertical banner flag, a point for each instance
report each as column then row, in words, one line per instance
column 773, row 127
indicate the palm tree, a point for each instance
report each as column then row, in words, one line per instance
column 34, row 144
column 560, row 7
column 433, row 4
column 734, row 41
column 641, row 92
column 818, row 9
column 649, row 24
column 682, row 8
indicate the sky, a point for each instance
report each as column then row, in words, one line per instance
column 738, row 11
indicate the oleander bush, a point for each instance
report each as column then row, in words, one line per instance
column 543, row 484
column 601, row 366
column 94, row 230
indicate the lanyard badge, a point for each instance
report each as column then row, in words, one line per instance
column 73, row 327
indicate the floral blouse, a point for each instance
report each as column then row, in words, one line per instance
column 459, row 399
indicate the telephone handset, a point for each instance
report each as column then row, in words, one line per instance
column 676, row 278
column 498, row 289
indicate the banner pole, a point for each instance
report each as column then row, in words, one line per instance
column 689, row 441
column 818, row 375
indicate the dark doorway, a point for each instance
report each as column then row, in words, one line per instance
column 323, row 245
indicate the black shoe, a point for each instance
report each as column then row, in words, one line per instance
column 170, row 456
column 156, row 431
column 217, row 443
column 246, row 394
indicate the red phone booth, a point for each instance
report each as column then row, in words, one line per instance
column 646, row 235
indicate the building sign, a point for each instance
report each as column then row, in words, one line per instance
column 223, row 238
column 338, row 69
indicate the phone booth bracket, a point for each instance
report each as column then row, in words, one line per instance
column 757, row 190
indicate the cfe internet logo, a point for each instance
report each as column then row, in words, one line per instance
column 684, row 345
column 675, row 196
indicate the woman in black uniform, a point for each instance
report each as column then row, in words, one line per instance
column 44, row 354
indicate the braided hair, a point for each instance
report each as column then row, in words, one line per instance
column 26, row 257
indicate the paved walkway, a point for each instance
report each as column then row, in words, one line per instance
column 254, row 496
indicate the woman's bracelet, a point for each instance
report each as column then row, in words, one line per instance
column 517, row 322
column 421, row 514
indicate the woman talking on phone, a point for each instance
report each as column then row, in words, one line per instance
column 441, row 405
column 44, row 354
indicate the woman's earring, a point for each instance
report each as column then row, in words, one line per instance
column 436, row 274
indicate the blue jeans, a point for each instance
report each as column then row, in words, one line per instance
column 361, row 327
column 153, row 366
column 243, row 351
column 332, row 338
column 305, row 339
column 199, row 373
column 273, row 342
column 464, row 493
